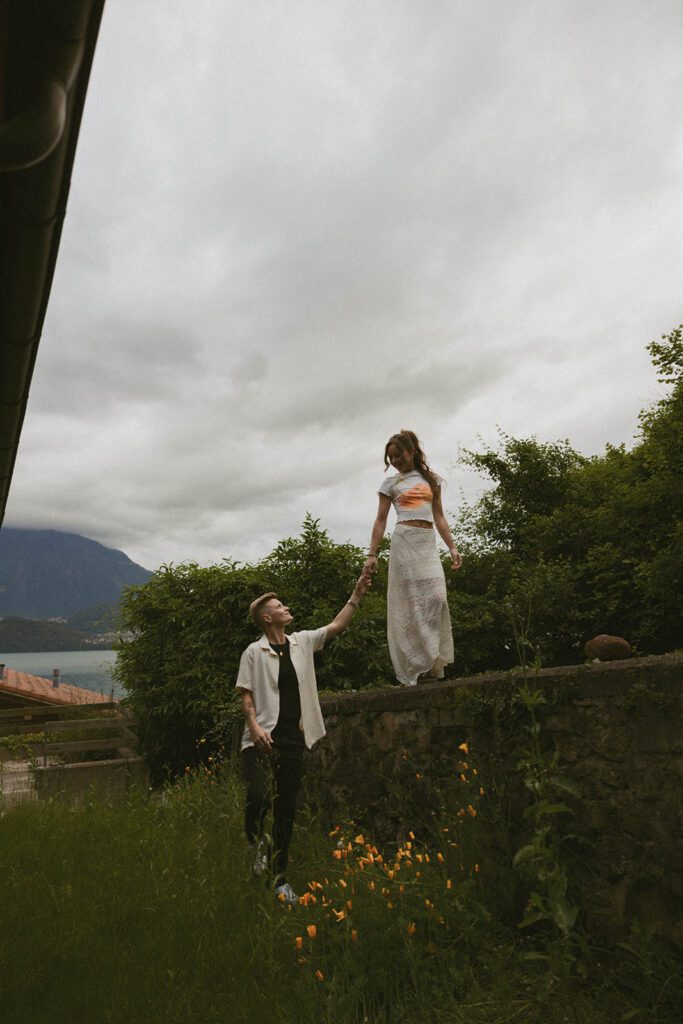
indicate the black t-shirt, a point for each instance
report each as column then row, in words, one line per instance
column 287, row 727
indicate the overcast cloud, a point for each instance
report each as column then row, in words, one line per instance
column 295, row 228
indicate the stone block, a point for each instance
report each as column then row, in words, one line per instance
column 608, row 648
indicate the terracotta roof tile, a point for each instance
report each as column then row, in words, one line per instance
column 21, row 684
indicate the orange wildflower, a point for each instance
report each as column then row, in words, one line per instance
column 411, row 928
column 319, row 975
column 354, row 935
column 311, row 931
column 465, row 749
column 299, row 942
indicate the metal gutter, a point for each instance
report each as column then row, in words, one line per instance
column 47, row 48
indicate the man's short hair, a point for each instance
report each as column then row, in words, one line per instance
column 256, row 607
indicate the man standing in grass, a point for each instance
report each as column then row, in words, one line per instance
column 282, row 713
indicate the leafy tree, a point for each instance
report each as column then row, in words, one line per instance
column 596, row 543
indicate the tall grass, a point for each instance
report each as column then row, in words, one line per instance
column 146, row 912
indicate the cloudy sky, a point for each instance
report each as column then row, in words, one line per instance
column 297, row 227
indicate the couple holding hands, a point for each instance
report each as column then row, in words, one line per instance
column 276, row 676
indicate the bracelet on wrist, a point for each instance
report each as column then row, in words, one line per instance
column 354, row 604
column 371, row 555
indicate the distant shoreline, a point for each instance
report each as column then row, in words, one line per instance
column 55, row 650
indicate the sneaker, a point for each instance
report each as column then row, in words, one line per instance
column 285, row 893
column 260, row 865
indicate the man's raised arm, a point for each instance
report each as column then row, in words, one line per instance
column 343, row 618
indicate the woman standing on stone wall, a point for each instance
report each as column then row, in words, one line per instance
column 418, row 621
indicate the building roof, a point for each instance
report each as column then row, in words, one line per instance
column 18, row 688
column 46, row 52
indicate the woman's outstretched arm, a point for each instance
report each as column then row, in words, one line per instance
column 378, row 529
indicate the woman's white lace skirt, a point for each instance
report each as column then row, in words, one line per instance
column 418, row 621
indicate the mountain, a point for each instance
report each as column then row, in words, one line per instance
column 45, row 573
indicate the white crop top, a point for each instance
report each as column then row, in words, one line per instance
column 410, row 495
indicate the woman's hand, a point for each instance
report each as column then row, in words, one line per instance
column 456, row 558
column 370, row 566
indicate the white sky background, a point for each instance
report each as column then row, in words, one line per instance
column 297, row 227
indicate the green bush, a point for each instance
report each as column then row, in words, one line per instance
column 188, row 626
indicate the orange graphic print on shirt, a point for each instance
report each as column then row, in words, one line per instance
column 414, row 497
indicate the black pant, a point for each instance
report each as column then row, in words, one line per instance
column 273, row 780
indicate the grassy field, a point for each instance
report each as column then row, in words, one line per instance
column 145, row 912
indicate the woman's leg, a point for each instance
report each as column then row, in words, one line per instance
column 418, row 622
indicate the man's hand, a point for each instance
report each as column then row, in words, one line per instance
column 362, row 585
column 261, row 738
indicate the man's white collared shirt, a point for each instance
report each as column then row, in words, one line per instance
column 258, row 673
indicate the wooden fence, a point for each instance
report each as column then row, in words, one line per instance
column 74, row 748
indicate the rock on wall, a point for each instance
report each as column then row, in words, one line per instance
column 618, row 731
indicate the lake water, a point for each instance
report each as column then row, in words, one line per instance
column 89, row 669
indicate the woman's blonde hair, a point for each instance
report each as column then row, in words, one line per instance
column 409, row 442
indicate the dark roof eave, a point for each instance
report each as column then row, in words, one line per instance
column 49, row 58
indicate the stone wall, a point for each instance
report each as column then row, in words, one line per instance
column 111, row 779
column 618, row 730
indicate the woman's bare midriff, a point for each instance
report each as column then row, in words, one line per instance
column 422, row 523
